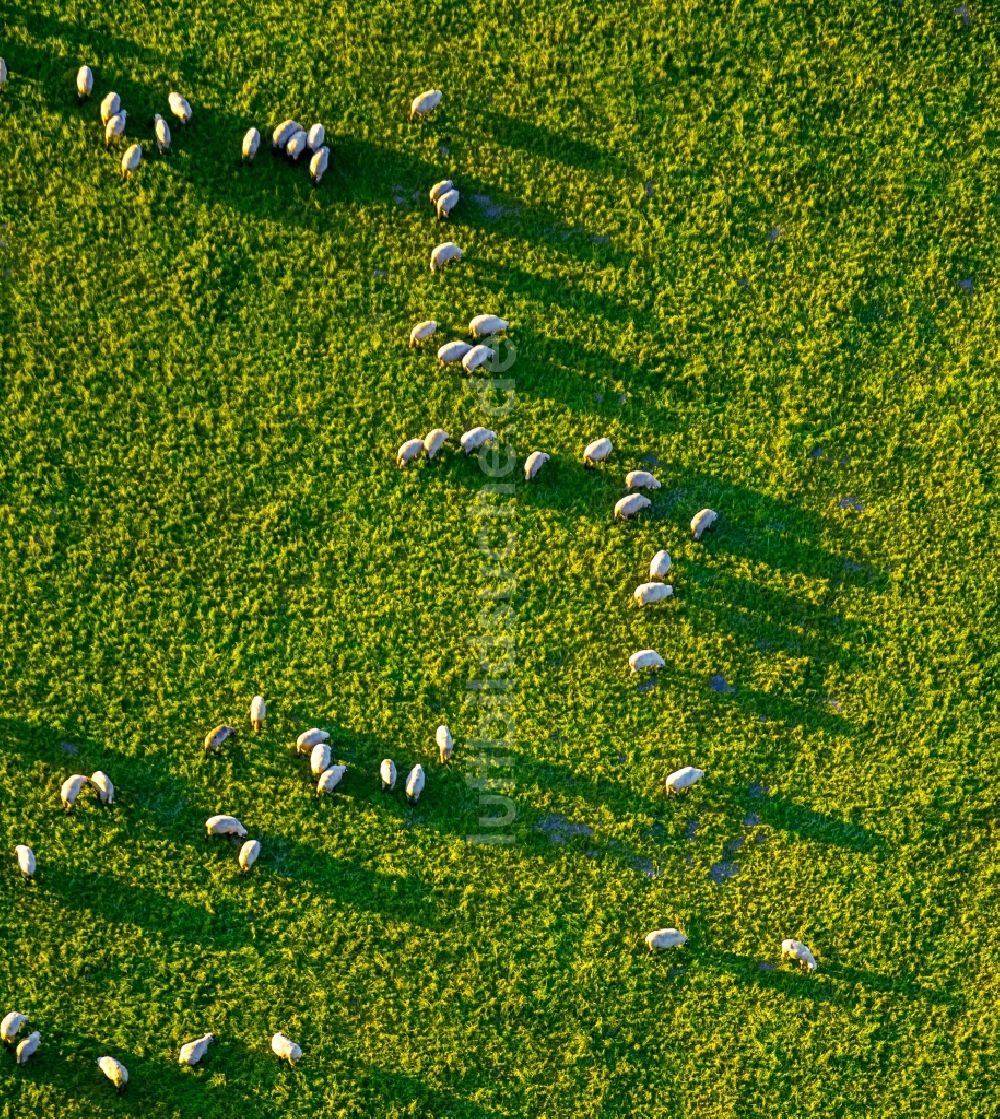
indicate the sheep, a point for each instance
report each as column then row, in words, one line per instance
column 105, row 790
column 628, row 506
column 452, row 351
column 319, row 759
column 434, row 440
column 641, row 480
column 664, row 938
column 387, row 774
column 446, row 747
column 439, row 189
column 10, row 1027
column 446, row 203
column 473, row 439
column 421, row 332
column 130, row 160
column 283, row 133
column 646, row 594
column 3, row 73
column 316, row 137
column 224, row 825
column 248, row 854
column 318, row 165
column 84, row 83
column 258, row 713
column 682, row 779
column 701, row 521
column 533, row 463
column 296, row 145
column 215, row 737
column 415, row 784
column 115, row 1071
column 444, row 254
column 410, row 450
column 645, row 658
column 285, row 1049
column 179, row 107
column 71, row 790
column 25, row 861
column 478, row 355
column 251, row 142
column 162, row 132
column 27, row 1047
column 329, row 779
column 796, row 950
column 425, row 102
column 309, row 738
column 110, row 106
column 193, row 1051
column 115, row 127
column 486, row 325
column 597, row 451
column 659, row 565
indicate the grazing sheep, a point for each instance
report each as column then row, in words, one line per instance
column 130, row 160
column 224, row 825
column 110, row 106
column 11, row 1026
column 25, row 861
column 659, row 565
column 664, row 938
column 309, row 738
column 426, row 102
column 248, row 854
column 483, row 326
column 319, row 759
column 446, row 203
column 440, row 188
column 597, row 451
column 330, row 778
column 258, row 713
column 193, row 1051
column 283, row 133
column 415, row 784
column 473, row 439
column 410, row 450
column 162, row 131
column 115, row 1071
column 27, row 1047
column 316, row 137
column 3, row 73
column 251, row 142
column 444, row 254
column 646, row 594
column 627, row 507
column 434, row 440
column 477, row 356
column 796, row 950
column 701, row 521
column 682, row 779
column 215, row 737
column 115, row 128
column 318, row 165
column 179, row 107
column 421, row 332
column 452, row 351
column 105, row 790
column 533, row 463
column 285, row 1049
column 297, row 145
column 446, row 747
column 84, row 83
column 641, row 480
column 71, row 790
column 645, row 658
column 387, row 773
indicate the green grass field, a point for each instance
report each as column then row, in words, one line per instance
column 756, row 247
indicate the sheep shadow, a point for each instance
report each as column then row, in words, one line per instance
column 806, row 823
column 566, row 148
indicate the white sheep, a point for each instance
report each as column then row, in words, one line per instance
column 297, row 145
column 483, row 326
column 702, row 520
column 27, row 1047
column 452, row 351
column 115, row 127
column 410, row 450
column 193, row 1051
column 439, row 189
column 258, row 713
column 796, row 950
column 110, row 106
column 224, row 825
column 641, row 480
column 248, row 854
column 329, row 779
column 473, row 439
column 283, row 133
column 476, row 357
column 105, row 790
column 309, row 738
column 646, row 594
column 597, row 451
column 25, row 861
column 285, row 1049
column 84, row 83
column 664, row 938
column 11, row 1026
column 316, row 137
column 251, row 142
column 71, row 790
column 318, row 165
column 645, row 658
column 3, row 73
column 387, row 774
column 319, row 759
column 115, row 1071
column 415, row 784
column 434, row 440
column 425, row 102
column 444, row 254
column 659, row 565
column 626, row 507
column 130, row 160
column 446, row 747
column 162, row 132
column 179, row 107
column 446, row 203
column 421, row 332
column 682, row 779
column 533, row 463
column 216, row 736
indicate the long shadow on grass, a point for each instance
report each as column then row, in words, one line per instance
column 543, row 143
column 806, row 823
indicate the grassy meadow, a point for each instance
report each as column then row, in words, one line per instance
column 754, row 245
